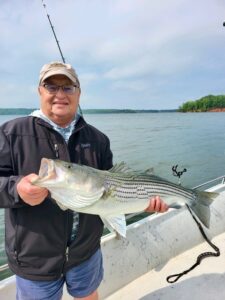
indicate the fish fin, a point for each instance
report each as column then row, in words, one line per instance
column 175, row 205
column 121, row 168
column 201, row 207
column 83, row 200
column 124, row 168
column 58, row 203
column 115, row 224
column 61, row 206
column 149, row 171
column 76, row 200
column 203, row 213
column 206, row 198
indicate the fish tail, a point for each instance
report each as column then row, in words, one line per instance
column 202, row 206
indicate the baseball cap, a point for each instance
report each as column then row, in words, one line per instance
column 58, row 68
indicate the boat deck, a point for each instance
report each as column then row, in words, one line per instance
column 206, row 281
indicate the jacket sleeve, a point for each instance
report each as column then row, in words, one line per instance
column 9, row 197
column 107, row 158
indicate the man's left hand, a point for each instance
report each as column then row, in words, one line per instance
column 157, row 205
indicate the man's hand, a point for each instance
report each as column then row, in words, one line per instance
column 31, row 194
column 157, row 205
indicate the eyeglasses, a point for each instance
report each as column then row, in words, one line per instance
column 53, row 88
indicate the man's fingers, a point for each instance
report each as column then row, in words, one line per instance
column 157, row 205
column 31, row 194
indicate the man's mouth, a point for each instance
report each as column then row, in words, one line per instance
column 60, row 103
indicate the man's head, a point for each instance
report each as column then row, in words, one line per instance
column 58, row 68
column 59, row 90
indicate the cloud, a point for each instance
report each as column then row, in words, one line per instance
column 123, row 51
column 88, row 78
column 131, row 85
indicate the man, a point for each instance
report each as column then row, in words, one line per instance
column 45, row 245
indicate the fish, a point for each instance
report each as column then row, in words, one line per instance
column 116, row 192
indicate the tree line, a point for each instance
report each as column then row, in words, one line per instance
column 203, row 104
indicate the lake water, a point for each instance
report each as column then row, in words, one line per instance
column 195, row 141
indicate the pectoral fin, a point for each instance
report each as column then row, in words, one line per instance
column 86, row 199
column 76, row 200
column 115, row 223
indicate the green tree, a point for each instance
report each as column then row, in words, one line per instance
column 203, row 104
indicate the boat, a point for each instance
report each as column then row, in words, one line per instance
column 159, row 245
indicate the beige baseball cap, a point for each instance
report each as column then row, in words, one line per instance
column 58, row 68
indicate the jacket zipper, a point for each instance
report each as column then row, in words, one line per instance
column 16, row 256
column 56, row 148
column 67, row 254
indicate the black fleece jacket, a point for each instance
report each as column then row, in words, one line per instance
column 36, row 237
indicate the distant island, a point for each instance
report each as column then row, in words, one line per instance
column 27, row 111
column 209, row 103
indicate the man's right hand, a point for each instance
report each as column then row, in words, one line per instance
column 31, row 194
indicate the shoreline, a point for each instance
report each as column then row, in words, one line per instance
column 27, row 111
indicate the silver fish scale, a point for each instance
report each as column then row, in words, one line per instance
column 127, row 187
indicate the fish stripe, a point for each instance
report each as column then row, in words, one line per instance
column 126, row 186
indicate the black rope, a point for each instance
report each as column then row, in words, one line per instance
column 173, row 278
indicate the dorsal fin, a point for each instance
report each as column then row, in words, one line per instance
column 121, row 168
column 149, row 171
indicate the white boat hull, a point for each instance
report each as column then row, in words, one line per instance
column 150, row 243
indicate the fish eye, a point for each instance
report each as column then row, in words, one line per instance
column 67, row 166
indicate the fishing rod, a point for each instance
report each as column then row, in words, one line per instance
column 57, row 42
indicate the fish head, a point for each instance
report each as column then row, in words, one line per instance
column 52, row 172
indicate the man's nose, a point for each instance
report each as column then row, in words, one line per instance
column 60, row 92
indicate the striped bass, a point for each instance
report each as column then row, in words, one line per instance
column 112, row 194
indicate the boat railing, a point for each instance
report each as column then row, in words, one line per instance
column 131, row 216
column 3, row 267
column 222, row 178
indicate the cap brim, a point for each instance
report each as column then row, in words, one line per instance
column 58, row 72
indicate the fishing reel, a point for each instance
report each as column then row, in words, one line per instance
column 178, row 173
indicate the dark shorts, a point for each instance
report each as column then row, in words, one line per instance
column 81, row 281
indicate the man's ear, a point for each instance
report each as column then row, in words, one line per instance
column 79, row 96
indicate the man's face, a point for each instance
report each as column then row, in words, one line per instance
column 59, row 107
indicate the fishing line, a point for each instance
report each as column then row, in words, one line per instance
column 57, row 41
column 173, row 278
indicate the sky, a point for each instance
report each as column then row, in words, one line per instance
column 128, row 54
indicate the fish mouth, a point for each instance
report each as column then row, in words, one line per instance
column 47, row 169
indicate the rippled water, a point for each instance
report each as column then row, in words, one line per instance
column 195, row 141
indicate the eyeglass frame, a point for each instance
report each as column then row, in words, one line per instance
column 58, row 88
